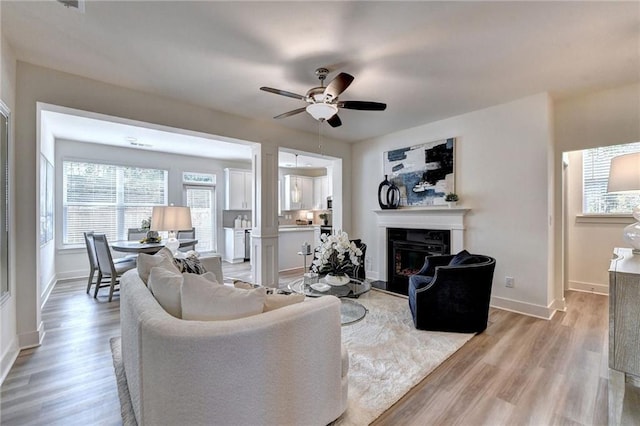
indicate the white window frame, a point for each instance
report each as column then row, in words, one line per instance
column 119, row 205
column 602, row 169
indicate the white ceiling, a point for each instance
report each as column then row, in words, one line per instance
column 426, row 60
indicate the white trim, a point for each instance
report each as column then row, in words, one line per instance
column 32, row 338
column 626, row 219
column 47, row 291
column 589, row 287
column 8, row 359
column 524, row 308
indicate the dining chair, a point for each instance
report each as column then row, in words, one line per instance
column 107, row 268
column 187, row 234
column 136, row 234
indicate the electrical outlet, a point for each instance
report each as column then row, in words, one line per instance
column 509, row 282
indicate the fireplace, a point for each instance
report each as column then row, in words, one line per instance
column 430, row 230
column 407, row 249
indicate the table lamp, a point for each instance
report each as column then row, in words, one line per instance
column 172, row 219
column 624, row 177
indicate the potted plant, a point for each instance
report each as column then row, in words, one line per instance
column 325, row 218
column 336, row 258
column 451, row 199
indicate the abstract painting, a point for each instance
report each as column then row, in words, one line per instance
column 424, row 173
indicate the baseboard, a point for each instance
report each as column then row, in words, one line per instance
column 72, row 275
column 47, row 291
column 8, row 358
column 589, row 287
column 32, row 338
column 524, row 308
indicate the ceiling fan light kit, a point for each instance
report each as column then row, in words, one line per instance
column 322, row 111
column 323, row 101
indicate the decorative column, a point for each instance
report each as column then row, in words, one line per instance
column 264, row 234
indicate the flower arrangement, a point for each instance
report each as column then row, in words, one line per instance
column 336, row 255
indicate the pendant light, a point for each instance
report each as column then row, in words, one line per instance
column 295, row 192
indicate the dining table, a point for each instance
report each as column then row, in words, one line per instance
column 148, row 248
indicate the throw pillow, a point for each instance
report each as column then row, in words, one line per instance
column 163, row 258
column 191, row 265
column 277, row 301
column 460, row 258
column 204, row 301
column 165, row 286
column 243, row 284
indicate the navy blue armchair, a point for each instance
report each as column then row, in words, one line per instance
column 452, row 293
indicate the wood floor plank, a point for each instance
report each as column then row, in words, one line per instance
column 520, row 371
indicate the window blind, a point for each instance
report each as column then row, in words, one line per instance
column 108, row 198
column 201, row 201
column 595, row 176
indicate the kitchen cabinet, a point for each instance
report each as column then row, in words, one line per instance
column 234, row 245
column 320, row 192
column 305, row 187
column 238, row 184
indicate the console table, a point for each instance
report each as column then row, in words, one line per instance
column 624, row 337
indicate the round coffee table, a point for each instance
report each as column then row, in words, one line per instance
column 350, row 310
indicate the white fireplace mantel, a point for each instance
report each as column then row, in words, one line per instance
column 419, row 218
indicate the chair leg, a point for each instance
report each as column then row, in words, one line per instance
column 111, row 287
column 91, row 273
column 98, row 282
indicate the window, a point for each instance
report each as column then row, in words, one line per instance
column 595, row 174
column 108, row 198
column 199, row 194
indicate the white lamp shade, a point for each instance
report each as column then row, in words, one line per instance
column 170, row 218
column 624, row 174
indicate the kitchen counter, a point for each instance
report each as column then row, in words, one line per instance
column 290, row 241
column 296, row 228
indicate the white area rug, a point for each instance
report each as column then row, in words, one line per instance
column 388, row 356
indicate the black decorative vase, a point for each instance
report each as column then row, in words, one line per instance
column 383, row 189
column 388, row 195
column 393, row 196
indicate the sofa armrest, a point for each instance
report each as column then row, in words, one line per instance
column 271, row 364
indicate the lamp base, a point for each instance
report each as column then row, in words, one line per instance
column 172, row 244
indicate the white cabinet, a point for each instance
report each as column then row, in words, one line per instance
column 320, row 192
column 238, row 189
column 304, row 186
column 233, row 245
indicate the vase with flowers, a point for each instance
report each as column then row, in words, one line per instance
column 337, row 257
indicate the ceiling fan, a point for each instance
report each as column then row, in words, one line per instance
column 323, row 103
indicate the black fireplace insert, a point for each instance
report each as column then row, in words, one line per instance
column 406, row 250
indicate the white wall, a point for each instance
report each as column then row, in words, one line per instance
column 73, row 263
column 8, row 329
column 501, row 175
column 36, row 84
column 607, row 117
column 589, row 241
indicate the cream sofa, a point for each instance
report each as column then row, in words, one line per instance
column 282, row 367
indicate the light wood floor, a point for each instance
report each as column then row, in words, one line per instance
column 521, row 370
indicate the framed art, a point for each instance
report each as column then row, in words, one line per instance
column 423, row 173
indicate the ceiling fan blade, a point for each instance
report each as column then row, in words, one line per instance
column 282, row 92
column 290, row 113
column 363, row 105
column 338, row 85
column 335, row 121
